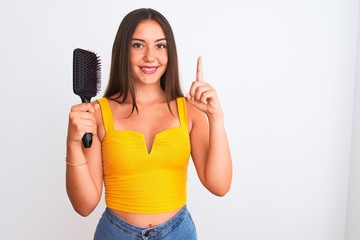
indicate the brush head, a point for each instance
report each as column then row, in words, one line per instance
column 86, row 74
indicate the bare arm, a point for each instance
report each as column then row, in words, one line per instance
column 84, row 168
column 209, row 143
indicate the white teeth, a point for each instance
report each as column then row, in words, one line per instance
column 149, row 69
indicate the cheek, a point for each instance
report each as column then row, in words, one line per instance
column 163, row 59
column 133, row 57
column 134, row 61
column 133, row 65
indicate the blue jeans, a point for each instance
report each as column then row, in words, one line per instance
column 180, row 227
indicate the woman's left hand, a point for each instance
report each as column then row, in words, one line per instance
column 203, row 96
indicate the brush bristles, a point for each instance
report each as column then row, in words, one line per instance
column 87, row 73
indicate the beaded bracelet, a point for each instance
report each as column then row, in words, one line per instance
column 75, row 165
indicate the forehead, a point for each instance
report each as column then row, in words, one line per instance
column 149, row 29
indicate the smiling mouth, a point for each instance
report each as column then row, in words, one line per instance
column 148, row 70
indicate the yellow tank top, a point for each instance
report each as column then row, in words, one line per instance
column 138, row 181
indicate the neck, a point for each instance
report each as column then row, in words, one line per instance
column 147, row 94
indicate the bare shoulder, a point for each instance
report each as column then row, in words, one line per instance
column 99, row 120
column 98, row 110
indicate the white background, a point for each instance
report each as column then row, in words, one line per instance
column 285, row 71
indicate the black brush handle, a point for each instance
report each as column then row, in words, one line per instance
column 87, row 138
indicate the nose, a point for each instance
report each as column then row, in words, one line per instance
column 149, row 55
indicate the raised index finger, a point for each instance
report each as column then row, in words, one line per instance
column 199, row 70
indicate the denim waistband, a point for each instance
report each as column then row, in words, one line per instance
column 146, row 233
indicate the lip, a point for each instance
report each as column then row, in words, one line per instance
column 149, row 69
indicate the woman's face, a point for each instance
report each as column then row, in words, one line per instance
column 148, row 52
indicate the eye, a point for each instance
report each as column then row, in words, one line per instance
column 161, row 45
column 137, row 45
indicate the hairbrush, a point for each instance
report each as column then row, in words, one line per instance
column 86, row 80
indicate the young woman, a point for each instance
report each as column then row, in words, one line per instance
column 144, row 132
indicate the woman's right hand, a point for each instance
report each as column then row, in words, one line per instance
column 81, row 121
column 84, row 176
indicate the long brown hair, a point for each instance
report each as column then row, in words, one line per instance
column 121, row 81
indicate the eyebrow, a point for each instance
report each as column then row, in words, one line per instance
column 141, row 40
